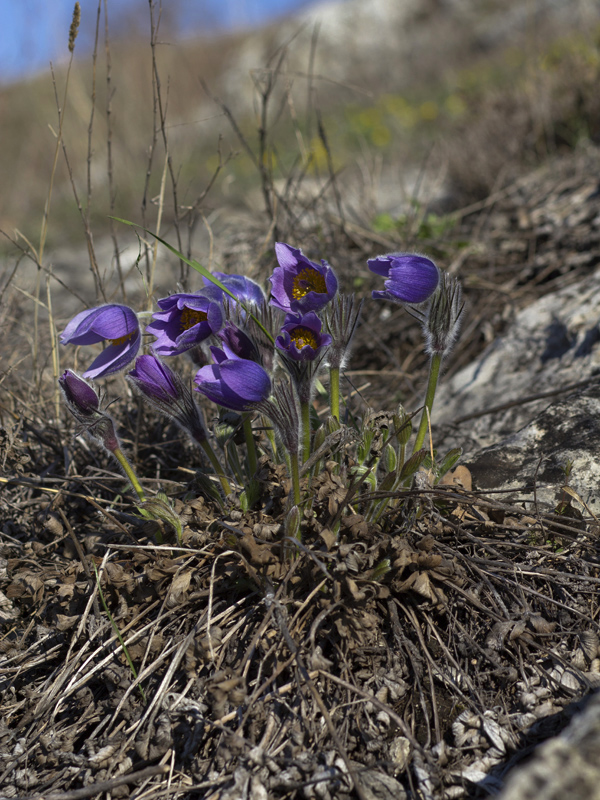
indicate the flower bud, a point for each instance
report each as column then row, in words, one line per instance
column 443, row 316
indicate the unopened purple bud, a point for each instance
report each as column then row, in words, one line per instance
column 154, row 379
column 83, row 402
column 232, row 382
column 169, row 393
column 411, row 278
column 239, row 342
column 245, row 289
column 80, row 397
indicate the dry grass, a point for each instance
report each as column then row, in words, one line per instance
column 396, row 657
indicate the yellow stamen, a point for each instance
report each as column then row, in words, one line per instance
column 122, row 339
column 191, row 317
column 304, row 337
column 308, row 280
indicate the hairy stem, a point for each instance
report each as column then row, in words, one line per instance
column 434, row 373
column 334, row 392
column 128, row 470
column 225, row 485
column 250, row 446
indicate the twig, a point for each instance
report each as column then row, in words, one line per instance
column 103, row 786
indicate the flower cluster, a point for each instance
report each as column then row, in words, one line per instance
column 260, row 354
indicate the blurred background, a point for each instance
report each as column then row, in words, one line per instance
column 374, row 109
column 32, row 33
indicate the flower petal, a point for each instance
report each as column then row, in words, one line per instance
column 246, row 379
column 154, row 378
column 411, row 278
column 96, row 324
column 113, row 358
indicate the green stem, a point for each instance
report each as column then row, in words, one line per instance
column 225, row 485
column 334, row 392
column 128, row 470
column 295, row 474
column 117, row 631
column 305, row 410
column 250, row 446
column 268, row 428
column 434, row 373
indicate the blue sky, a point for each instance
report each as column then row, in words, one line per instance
column 35, row 32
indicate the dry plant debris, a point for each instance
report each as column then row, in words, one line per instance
column 416, row 655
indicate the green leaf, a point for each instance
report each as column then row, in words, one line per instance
column 388, row 483
column 390, row 458
column 370, row 476
column 250, row 495
column 413, row 464
column 364, row 448
column 402, row 426
column 379, row 570
column 448, row 462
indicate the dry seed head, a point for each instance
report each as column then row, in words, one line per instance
column 73, row 30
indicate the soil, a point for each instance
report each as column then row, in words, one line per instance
column 418, row 654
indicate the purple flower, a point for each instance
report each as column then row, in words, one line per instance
column 243, row 288
column 79, row 395
column 184, row 321
column 167, row 391
column 232, row 382
column 301, row 337
column 300, row 285
column 154, row 379
column 83, row 402
column 411, row 278
column 239, row 342
column 118, row 325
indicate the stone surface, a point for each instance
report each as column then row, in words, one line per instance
column 566, row 766
column 551, row 349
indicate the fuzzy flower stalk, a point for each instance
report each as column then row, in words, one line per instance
column 301, row 346
column 440, row 328
column 341, row 320
column 282, row 411
column 170, row 394
column 83, row 402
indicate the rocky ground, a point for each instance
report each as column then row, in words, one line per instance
column 424, row 654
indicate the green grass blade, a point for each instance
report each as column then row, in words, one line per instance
column 199, row 268
column 118, row 632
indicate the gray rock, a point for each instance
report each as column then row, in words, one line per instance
column 566, row 766
column 537, row 427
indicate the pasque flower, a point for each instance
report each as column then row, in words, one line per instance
column 301, row 338
column 299, row 285
column 411, row 278
column 239, row 342
column 117, row 325
column 84, row 403
column 245, row 289
column 169, row 393
column 233, row 382
column 184, row 320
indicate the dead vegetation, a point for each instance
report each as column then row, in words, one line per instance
column 419, row 656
